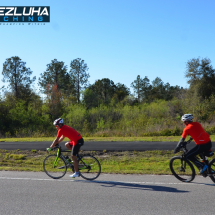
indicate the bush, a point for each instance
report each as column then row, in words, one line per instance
column 158, row 118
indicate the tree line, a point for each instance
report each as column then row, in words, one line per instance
column 68, row 94
column 60, row 83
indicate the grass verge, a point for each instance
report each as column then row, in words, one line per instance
column 146, row 162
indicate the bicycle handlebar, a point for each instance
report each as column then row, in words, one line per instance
column 189, row 141
column 59, row 147
column 56, row 147
column 184, row 144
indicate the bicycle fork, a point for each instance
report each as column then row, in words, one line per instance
column 56, row 159
column 183, row 166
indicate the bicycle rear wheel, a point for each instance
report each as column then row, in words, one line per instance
column 211, row 170
column 54, row 167
column 89, row 167
column 182, row 169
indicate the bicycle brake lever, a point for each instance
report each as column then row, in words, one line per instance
column 189, row 141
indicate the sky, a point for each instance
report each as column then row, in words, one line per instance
column 118, row 39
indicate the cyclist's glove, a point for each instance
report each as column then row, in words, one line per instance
column 177, row 149
column 49, row 149
column 180, row 145
column 183, row 144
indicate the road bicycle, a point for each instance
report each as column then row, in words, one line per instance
column 56, row 165
column 183, row 169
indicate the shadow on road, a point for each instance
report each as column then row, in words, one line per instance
column 137, row 186
column 198, row 183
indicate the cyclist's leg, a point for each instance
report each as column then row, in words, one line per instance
column 76, row 147
column 191, row 155
column 75, row 150
column 207, row 146
column 68, row 145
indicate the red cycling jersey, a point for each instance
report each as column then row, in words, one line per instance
column 69, row 132
column 195, row 130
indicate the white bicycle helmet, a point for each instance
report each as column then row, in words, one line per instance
column 58, row 121
column 187, row 117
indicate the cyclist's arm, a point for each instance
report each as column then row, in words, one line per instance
column 177, row 148
column 180, row 141
column 56, row 141
column 61, row 139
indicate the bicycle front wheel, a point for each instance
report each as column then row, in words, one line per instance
column 182, row 169
column 89, row 167
column 211, row 170
column 55, row 167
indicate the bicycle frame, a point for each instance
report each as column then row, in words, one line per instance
column 202, row 155
column 57, row 157
column 86, row 165
column 59, row 153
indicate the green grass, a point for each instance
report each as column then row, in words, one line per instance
column 147, row 162
column 50, row 139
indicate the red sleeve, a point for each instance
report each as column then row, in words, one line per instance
column 184, row 134
column 59, row 133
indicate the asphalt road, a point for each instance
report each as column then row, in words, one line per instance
column 24, row 193
column 97, row 146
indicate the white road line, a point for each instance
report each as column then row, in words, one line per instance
column 33, row 179
column 100, row 182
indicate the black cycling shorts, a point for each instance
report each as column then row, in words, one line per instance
column 76, row 148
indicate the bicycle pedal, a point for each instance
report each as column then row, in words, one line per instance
column 204, row 174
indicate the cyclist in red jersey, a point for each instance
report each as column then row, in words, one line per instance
column 200, row 137
column 75, row 143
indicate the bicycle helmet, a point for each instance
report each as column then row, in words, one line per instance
column 58, row 121
column 187, row 117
